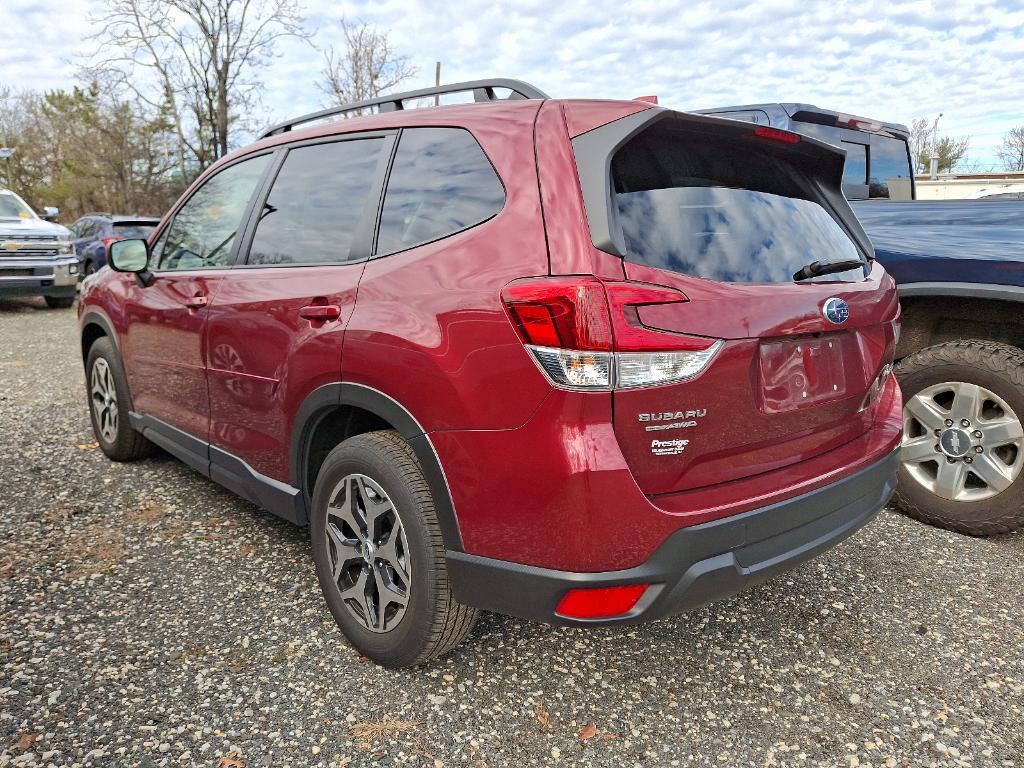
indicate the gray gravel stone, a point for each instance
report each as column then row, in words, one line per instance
column 150, row 618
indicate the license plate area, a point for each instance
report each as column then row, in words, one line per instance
column 803, row 372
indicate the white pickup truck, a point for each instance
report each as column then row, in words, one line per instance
column 37, row 256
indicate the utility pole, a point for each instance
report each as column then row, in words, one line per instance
column 437, row 82
column 5, row 155
column 933, row 170
column 935, row 133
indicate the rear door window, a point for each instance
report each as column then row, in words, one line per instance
column 441, row 183
column 889, row 169
column 707, row 207
column 318, row 199
column 856, row 169
column 855, row 172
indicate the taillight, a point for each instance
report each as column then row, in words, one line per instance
column 585, row 334
column 111, row 239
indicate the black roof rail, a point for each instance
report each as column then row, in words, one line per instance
column 483, row 90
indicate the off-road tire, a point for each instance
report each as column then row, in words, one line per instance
column 434, row 622
column 128, row 444
column 998, row 367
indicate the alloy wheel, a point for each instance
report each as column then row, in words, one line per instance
column 368, row 553
column 961, row 441
column 104, row 399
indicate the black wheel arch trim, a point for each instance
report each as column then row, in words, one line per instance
column 95, row 318
column 962, row 290
column 101, row 322
column 327, row 397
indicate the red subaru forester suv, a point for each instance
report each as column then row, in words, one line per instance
column 588, row 362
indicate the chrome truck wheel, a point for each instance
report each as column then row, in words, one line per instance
column 963, row 442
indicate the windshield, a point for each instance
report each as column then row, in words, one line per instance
column 701, row 207
column 13, row 207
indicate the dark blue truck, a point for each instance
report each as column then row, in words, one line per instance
column 959, row 265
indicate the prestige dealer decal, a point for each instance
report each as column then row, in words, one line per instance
column 668, row 447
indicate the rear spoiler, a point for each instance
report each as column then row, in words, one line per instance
column 595, row 148
column 817, row 116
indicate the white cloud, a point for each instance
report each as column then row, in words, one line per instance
column 893, row 61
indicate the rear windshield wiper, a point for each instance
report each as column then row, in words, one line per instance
column 817, row 268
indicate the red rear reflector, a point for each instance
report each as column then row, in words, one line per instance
column 774, row 134
column 601, row 602
column 537, row 324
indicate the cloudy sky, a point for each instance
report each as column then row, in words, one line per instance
column 892, row 61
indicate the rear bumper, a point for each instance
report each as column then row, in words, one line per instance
column 695, row 565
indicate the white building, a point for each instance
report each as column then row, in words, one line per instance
column 961, row 186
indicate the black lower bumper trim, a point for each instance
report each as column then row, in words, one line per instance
column 695, row 565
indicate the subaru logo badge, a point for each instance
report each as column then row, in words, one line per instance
column 836, row 311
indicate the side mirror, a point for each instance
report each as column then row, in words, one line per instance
column 50, row 213
column 130, row 256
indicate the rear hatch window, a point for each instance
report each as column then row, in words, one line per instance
column 704, row 207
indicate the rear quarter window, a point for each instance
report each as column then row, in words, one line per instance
column 441, row 183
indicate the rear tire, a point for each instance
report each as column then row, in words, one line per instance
column 59, row 302
column 107, row 394
column 381, row 565
column 988, row 492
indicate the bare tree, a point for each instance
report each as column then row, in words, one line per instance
column 194, row 60
column 1011, row 152
column 367, row 67
column 925, row 142
column 920, row 140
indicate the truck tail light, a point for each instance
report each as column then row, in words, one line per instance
column 585, row 334
column 600, row 602
column 111, row 239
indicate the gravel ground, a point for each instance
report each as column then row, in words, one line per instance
column 148, row 617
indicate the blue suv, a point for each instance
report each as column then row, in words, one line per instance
column 95, row 231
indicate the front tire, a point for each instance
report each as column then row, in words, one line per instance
column 379, row 554
column 963, row 441
column 107, row 392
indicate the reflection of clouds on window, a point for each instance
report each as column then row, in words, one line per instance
column 731, row 235
column 441, row 183
column 203, row 231
column 316, row 203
